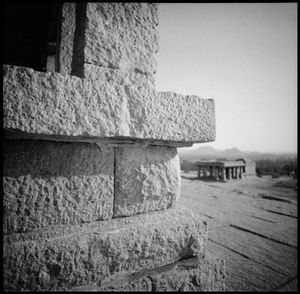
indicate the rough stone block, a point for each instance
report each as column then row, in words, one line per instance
column 118, row 35
column 62, row 257
column 146, row 179
column 52, row 104
column 47, row 183
column 115, row 76
column 193, row 274
column 67, row 32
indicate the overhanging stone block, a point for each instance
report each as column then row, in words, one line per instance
column 62, row 257
column 146, row 179
column 49, row 183
column 52, row 104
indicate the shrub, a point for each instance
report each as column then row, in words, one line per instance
column 258, row 172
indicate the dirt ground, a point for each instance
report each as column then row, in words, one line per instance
column 252, row 224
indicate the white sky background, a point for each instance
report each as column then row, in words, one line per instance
column 244, row 56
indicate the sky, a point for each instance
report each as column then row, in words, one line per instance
column 244, row 56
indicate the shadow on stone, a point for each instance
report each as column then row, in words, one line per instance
column 46, row 159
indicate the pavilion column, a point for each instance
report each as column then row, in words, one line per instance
column 199, row 169
column 228, row 173
column 211, row 171
column 217, row 173
column 205, row 172
column 223, row 174
column 240, row 172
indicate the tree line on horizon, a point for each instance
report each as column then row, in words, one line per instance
column 277, row 167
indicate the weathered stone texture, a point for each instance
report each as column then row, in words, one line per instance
column 47, row 183
column 67, row 31
column 189, row 118
column 146, row 179
column 197, row 274
column 194, row 274
column 63, row 257
column 55, row 104
column 116, row 76
column 115, row 35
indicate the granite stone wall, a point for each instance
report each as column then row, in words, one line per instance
column 91, row 172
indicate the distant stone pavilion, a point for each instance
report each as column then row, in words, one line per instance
column 221, row 170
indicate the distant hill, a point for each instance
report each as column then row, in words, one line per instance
column 208, row 153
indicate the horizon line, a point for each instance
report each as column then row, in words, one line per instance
column 229, row 148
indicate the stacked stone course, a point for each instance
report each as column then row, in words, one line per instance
column 91, row 169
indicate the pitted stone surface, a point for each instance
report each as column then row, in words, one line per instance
column 115, row 35
column 116, row 76
column 67, row 31
column 48, row 183
column 194, row 274
column 55, row 104
column 63, row 257
column 146, row 179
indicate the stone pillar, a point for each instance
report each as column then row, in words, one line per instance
column 86, row 54
column 88, row 150
column 199, row 170
column 223, row 174
column 228, row 172
column 217, row 173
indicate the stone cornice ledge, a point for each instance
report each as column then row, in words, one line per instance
column 63, row 107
